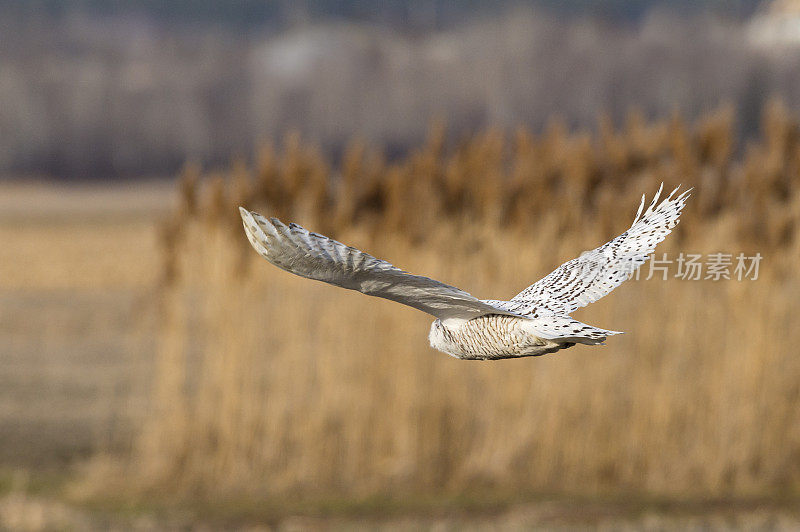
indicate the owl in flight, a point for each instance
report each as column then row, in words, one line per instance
column 534, row 322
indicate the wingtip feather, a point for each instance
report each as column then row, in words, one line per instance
column 259, row 230
column 639, row 212
column 655, row 198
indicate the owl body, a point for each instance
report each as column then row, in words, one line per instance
column 496, row 336
column 488, row 338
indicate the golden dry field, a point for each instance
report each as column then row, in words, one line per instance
column 289, row 386
column 145, row 340
column 77, row 270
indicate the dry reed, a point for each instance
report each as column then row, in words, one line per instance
column 270, row 384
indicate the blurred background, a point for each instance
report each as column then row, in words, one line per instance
column 156, row 373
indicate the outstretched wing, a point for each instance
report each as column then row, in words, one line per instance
column 596, row 273
column 318, row 257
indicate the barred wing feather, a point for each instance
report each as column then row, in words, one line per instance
column 314, row 256
column 596, row 273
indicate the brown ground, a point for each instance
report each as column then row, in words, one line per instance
column 77, row 267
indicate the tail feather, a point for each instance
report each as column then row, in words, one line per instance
column 564, row 328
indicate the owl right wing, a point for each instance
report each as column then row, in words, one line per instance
column 596, row 273
column 314, row 256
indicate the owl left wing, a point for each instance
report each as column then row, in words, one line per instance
column 314, row 256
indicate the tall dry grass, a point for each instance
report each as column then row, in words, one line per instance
column 269, row 384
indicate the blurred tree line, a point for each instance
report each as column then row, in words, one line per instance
column 248, row 13
column 92, row 89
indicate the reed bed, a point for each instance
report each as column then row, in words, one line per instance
column 271, row 385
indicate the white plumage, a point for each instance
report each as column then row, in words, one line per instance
column 534, row 322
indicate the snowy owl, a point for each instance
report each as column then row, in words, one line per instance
column 534, row 322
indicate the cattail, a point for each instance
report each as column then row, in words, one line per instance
column 169, row 239
column 187, row 185
column 269, row 189
column 246, row 405
column 241, row 182
column 217, row 201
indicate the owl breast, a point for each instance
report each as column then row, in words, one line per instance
column 488, row 337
